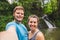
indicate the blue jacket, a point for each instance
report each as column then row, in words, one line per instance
column 21, row 30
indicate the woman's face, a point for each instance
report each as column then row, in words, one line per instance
column 18, row 15
column 33, row 23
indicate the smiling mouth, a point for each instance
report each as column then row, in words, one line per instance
column 19, row 17
column 31, row 26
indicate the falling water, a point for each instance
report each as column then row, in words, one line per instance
column 48, row 22
column 12, row 1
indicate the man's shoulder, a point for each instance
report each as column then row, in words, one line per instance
column 10, row 23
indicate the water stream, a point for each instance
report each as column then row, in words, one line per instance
column 48, row 22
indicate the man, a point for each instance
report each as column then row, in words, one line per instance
column 16, row 25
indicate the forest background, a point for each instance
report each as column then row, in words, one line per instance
column 38, row 7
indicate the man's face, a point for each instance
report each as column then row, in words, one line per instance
column 18, row 15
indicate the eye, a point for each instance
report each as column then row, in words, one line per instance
column 22, row 13
column 34, row 22
column 30, row 21
column 18, row 13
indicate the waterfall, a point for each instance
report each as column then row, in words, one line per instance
column 48, row 22
column 12, row 1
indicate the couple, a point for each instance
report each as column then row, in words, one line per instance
column 20, row 29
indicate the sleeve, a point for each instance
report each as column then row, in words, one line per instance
column 10, row 25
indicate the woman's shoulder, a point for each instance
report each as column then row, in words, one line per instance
column 40, row 36
column 40, row 33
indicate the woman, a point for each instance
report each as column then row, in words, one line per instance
column 34, row 33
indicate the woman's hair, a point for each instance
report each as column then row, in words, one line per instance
column 18, row 8
column 33, row 16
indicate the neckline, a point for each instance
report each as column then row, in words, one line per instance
column 34, row 34
column 17, row 22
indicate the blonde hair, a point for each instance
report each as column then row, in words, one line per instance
column 18, row 8
column 33, row 16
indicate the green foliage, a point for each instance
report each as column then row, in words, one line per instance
column 6, row 8
column 50, row 7
column 31, row 7
column 57, row 22
column 5, row 14
column 4, row 20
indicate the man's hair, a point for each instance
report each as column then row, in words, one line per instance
column 18, row 8
column 33, row 16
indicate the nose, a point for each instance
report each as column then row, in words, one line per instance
column 20, row 14
column 32, row 23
